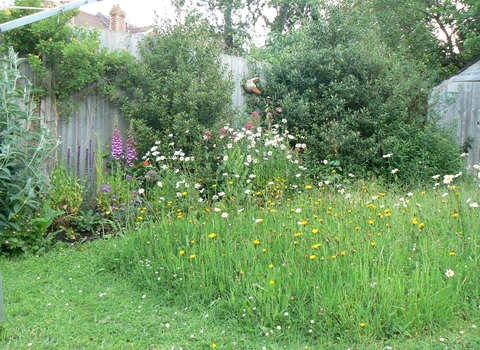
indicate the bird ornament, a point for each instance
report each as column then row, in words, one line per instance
column 250, row 88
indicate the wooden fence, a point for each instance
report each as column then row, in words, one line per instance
column 89, row 131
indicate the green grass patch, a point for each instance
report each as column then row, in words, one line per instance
column 323, row 265
column 362, row 268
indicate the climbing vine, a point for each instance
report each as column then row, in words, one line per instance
column 64, row 59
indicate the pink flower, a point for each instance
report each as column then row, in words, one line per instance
column 117, row 145
column 249, row 126
column 223, row 131
column 131, row 150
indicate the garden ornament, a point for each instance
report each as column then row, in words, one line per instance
column 250, row 88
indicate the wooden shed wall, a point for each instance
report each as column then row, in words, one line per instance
column 457, row 103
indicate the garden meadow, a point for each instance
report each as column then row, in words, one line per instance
column 287, row 256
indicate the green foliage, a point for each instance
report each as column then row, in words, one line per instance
column 353, row 99
column 441, row 34
column 26, row 146
column 65, row 59
column 66, row 194
column 90, row 221
column 179, row 81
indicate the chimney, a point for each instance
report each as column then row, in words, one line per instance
column 117, row 19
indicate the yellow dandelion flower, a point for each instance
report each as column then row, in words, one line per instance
column 298, row 234
column 421, row 225
column 455, row 215
column 192, row 256
column 182, row 252
column 315, row 231
column 316, row 246
column 264, row 250
column 414, row 221
column 214, row 345
column 334, row 256
column 212, row 235
column 256, row 242
column 312, row 257
column 308, row 187
column 362, row 324
column 371, row 222
column 271, row 266
column 452, row 253
column 373, row 243
column 272, row 282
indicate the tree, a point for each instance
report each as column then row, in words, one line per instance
column 444, row 34
column 353, row 99
column 179, row 83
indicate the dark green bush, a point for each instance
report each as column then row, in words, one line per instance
column 355, row 101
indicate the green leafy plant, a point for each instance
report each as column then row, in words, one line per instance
column 66, row 194
column 26, row 147
column 179, row 82
column 65, row 59
column 90, row 221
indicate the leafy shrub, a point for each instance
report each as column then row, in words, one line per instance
column 353, row 100
column 26, row 146
column 179, row 82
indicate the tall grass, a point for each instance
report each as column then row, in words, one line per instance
column 326, row 262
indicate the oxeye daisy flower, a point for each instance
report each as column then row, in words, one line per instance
column 449, row 273
column 448, row 178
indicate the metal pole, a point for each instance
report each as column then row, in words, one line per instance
column 49, row 12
